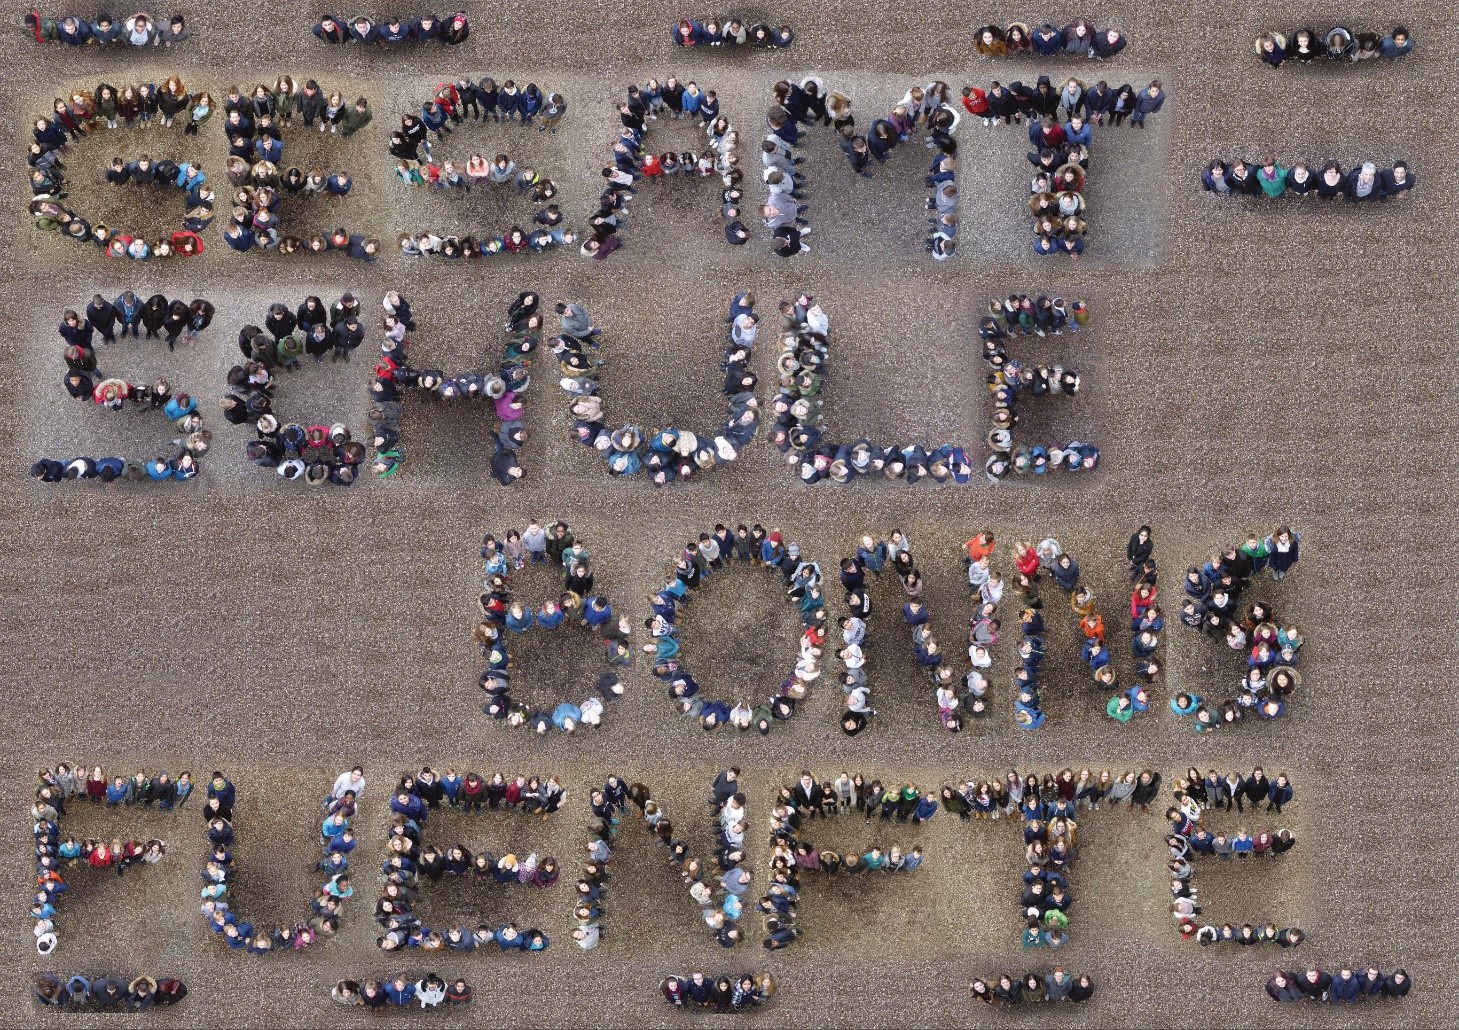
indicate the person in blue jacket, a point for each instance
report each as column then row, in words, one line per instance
column 400, row 991
column 1396, row 43
column 1147, row 102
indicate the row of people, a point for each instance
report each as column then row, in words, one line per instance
column 62, row 783
column 701, row 560
column 1098, row 104
column 139, row 31
column 80, row 993
column 1033, row 988
column 1346, row 985
column 1270, row 179
column 515, row 240
column 1077, row 39
column 1059, row 795
column 669, row 454
column 502, row 617
column 430, row 991
column 1337, row 44
column 503, row 389
column 393, row 30
column 644, row 104
column 1021, row 315
column 1271, row 649
column 731, row 32
column 414, row 798
column 807, row 800
column 1189, row 841
column 721, row 994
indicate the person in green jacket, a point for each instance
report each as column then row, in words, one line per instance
column 1119, row 708
column 1272, row 178
column 1255, row 548
column 357, row 117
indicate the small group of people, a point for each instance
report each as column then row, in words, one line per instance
column 1337, row 44
column 107, row 994
column 666, row 455
column 1269, row 179
column 430, row 991
column 220, row 871
column 731, row 32
column 393, row 30
column 799, row 427
column 956, row 697
column 408, row 858
column 717, row 553
column 1099, row 104
column 1008, row 378
column 790, row 853
column 718, row 994
column 1077, row 39
column 503, row 389
column 55, row 788
column 1032, row 988
column 1213, row 605
column 631, row 164
column 1348, row 984
column 312, row 454
column 139, row 31
column 1195, row 795
column 86, row 111
column 503, row 616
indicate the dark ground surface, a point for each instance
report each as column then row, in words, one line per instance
column 1247, row 365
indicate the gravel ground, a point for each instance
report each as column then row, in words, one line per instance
column 281, row 634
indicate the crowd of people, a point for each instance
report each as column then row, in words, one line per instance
column 1348, row 984
column 253, row 124
column 408, row 859
column 790, row 853
column 1007, row 378
column 139, row 32
column 666, row 455
column 394, row 30
column 1077, row 39
column 86, row 111
column 450, row 106
column 717, row 892
column 55, row 788
column 430, row 991
column 220, row 872
column 503, row 389
column 731, row 32
column 1099, row 104
column 631, row 164
column 923, row 109
column 1189, row 841
column 312, row 454
column 957, row 697
column 1337, row 44
column 1032, row 988
column 718, row 994
column 1270, row 179
column 79, row 993
column 799, row 428
column 716, row 553
column 503, row 617
column 84, row 381
column 1212, row 605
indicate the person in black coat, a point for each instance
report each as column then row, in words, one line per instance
column 101, row 315
column 1395, row 181
column 1140, row 548
column 1315, row 984
column 154, row 313
column 76, row 332
column 1283, row 987
column 1396, row 984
